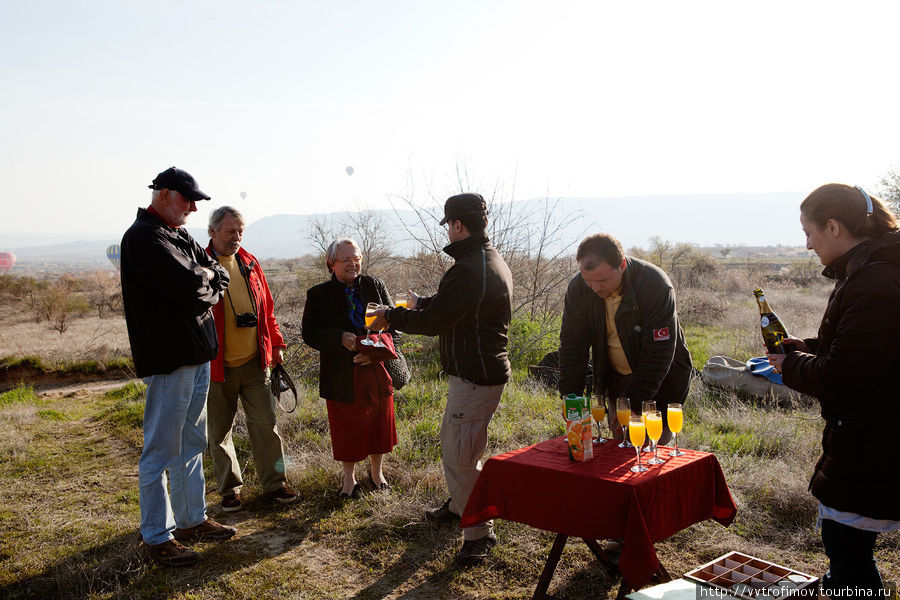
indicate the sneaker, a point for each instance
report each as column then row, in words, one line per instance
column 474, row 552
column 231, row 502
column 285, row 494
column 207, row 531
column 171, row 554
column 442, row 514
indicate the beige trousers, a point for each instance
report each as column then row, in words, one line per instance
column 249, row 382
column 463, row 441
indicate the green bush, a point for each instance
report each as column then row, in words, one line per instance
column 23, row 394
column 531, row 339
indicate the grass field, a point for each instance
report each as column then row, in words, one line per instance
column 69, row 511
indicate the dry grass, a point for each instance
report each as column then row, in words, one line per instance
column 68, row 487
column 88, row 338
column 69, row 495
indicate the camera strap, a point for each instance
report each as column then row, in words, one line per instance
column 246, row 278
column 280, row 382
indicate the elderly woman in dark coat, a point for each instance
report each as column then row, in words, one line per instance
column 332, row 319
column 853, row 368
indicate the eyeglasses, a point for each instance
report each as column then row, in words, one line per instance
column 356, row 260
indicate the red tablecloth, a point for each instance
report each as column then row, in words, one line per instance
column 539, row 486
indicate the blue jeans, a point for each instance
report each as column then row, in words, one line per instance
column 174, row 441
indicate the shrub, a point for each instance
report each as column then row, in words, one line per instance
column 531, row 339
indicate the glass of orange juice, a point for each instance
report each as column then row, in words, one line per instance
column 598, row 410
column 623, row 412
column 371, row 307
column 637, row 432
column 676, row 421
column 654, row 423
column 401, row 300
column 647, row 406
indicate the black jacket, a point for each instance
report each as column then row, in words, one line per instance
column 471, row 312
column 648, row 327
column 326, row 317
column 168, row 297
column 854, row 371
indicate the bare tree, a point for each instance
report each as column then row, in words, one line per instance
column 889, row 189
column 365, row 226
column 102, row 290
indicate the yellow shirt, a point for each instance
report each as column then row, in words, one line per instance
column 613, row 343
column 241, row 343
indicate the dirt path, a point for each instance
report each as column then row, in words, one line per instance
column 72, row 389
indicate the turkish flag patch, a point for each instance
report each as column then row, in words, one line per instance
column 661, row 335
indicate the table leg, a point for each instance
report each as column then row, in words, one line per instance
column 540, row 593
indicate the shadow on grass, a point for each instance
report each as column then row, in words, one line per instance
column 424, row 545
column 119, row 566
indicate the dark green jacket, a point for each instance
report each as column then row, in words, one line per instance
column 471, row 312
column 648, row 327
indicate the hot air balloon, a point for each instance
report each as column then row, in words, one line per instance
column 243, row 195
column 112, row 253
column 7, row 260
column 349, row 170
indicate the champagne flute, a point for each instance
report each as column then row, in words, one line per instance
column 378, row 342
column 623, row 412
column 654, row 424
column 637, row 433
column 598, row 410
column 371, row 307
column 676, row 420
column 647, row 406
column 401, row 300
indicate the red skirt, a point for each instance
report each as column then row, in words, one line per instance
column 362, row 427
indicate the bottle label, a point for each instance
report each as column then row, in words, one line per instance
column 764, row 322
column 762, row 297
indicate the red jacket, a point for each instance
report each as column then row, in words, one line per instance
column 268, row 334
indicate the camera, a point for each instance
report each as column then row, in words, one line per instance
column 245, row 320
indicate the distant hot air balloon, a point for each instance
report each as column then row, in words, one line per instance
column 243, row 195
column 112, row 253
column 7, row 260
column 349, row 170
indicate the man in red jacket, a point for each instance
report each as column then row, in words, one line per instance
column 249, row 342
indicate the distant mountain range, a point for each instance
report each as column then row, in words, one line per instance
column 746, row 219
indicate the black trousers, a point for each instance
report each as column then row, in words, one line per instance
column 851, row 555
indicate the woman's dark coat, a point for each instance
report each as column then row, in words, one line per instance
column 854, row 371
column 325, row 319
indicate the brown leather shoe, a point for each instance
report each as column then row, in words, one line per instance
column 171, row 554
column 206, row 531
column 231, row 502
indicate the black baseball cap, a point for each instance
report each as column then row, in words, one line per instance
column 180, row 181
column 463, row 205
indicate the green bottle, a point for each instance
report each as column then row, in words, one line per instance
column 773, row 329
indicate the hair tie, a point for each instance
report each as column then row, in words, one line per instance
column 869, row 208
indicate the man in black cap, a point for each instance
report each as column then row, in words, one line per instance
column 169, row 287
column 471, row 312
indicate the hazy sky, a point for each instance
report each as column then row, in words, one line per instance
column 591, row 98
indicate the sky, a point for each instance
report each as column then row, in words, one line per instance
column 524, row 99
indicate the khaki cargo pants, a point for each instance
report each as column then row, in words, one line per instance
column 463, row 441
column 249, row 382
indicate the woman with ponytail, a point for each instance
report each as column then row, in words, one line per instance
column 853, row 368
